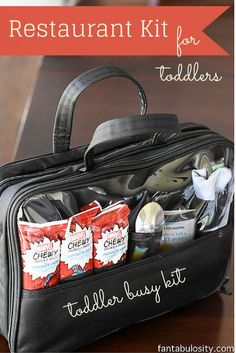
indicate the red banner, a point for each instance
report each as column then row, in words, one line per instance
column 111, row 30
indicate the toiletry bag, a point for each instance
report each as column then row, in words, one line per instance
column 148, row 152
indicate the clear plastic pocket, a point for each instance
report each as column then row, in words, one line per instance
column 124, row 219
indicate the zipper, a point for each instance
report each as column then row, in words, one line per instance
column 146, row 146
column 126, row 162
column 188, row 131
column 52, row 171
column 79, row 180
column 131, row 150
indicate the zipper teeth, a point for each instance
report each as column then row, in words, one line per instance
column 100, row 161
column 140, row 147
column 50, row 185
column 127, row 162
column 14, row 249
column 51, row 171
column 108, row 156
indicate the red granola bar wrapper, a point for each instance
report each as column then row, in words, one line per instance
column 110, row 230
column 91, row 205
column 77, row 245
column 40, row 253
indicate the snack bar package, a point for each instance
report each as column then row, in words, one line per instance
column 110, row 229
column 40, row 252
column 77, row 245
column 91, row 205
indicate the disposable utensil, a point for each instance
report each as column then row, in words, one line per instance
column 150, row 219
column 145, row 241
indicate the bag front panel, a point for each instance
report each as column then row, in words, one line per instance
column 71, row 315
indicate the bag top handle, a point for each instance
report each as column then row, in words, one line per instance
column 119, row 132
column 65, row 110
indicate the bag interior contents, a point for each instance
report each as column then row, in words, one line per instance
column 72, row 233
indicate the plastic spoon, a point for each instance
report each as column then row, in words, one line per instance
column 146, row 240
column 150, row 219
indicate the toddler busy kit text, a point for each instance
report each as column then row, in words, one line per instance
column 99, row 300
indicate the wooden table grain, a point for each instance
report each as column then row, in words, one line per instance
column 208, row 321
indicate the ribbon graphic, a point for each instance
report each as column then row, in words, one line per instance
column 109, row 30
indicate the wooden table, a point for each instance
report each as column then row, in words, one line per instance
column 209, row 321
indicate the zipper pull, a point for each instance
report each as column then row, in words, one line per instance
column 160, row 138
column 225, row 288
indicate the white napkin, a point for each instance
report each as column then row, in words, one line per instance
column 208, row 188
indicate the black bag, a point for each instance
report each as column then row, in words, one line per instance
column 136, row 159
